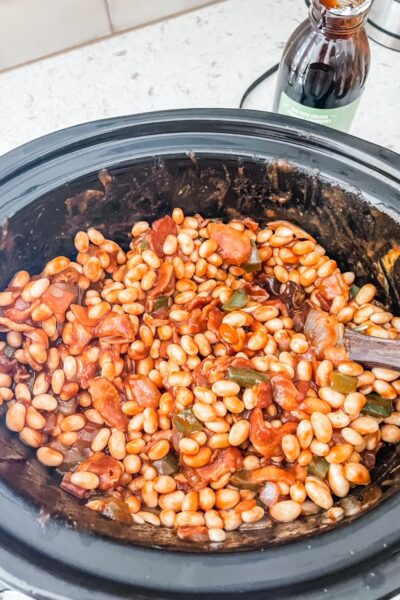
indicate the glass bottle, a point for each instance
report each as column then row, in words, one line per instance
column 325, row 64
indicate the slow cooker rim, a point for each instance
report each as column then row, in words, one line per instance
column 70, row 549
column 73, row 138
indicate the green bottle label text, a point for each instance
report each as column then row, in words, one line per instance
column 338, row 118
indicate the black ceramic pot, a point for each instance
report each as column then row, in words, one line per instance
column 222, row 163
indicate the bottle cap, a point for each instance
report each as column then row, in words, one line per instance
column 346, row 7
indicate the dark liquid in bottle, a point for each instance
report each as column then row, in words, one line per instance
column 325, row 63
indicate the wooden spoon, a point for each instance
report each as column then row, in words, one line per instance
column 377, row 352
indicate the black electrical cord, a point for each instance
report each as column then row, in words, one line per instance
column 262, row 77
column 255, row 83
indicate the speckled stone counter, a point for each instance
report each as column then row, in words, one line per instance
column 202, row 59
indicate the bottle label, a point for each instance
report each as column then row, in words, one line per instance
column 339, row 118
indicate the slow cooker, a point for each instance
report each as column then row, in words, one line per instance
column 224, row 163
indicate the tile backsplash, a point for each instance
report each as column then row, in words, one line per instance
column 131, row 13
column 33, row 29
column 30, row 29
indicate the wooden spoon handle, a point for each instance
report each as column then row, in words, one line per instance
column 373, row 351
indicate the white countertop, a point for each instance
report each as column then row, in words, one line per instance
column 202, row 59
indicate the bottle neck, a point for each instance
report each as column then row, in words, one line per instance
column 334, row 20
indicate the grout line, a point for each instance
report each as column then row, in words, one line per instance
column 171, row 16
column 111, row 35
column 107, row 8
